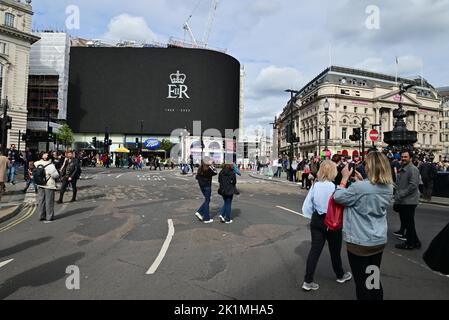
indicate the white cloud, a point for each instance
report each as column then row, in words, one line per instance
column 264, row 7
column 409, row 65
column 127, row 27
column 274, row 80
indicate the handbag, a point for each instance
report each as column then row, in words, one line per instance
column 334, row 216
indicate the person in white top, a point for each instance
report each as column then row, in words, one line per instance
column 46, row 193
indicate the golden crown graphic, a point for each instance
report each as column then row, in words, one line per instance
column 178, row 78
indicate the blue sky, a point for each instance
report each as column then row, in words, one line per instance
column 282, row 43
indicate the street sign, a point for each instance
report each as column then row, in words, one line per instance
column 374, row 135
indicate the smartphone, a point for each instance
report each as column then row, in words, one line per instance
column 352, row 166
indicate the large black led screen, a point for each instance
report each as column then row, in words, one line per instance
column 167, row 88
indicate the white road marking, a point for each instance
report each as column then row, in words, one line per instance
column 182, row 178
column 160, row 257
column 295, row 212
column 120, row 175
column 4, row 263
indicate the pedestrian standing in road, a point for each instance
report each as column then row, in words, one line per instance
column 30, row 179
column 227, row 180
column 406, row 201
column 4, row 164
column 428, row 173
column 45, row 175
column 204, row 176
column 294, row 169
column 315, row 207
column 365, row 220
column 13, row 157
column 70, row 173
column 279, row 168
column 336, row 158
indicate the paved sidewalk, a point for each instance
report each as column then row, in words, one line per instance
column 12, row 201
column 435, row 200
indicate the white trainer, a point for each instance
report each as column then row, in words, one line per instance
column 310, row 286
column 346, row 277
column 199, row 216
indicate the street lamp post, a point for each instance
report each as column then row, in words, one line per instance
column 290, row 128
column 326, row 123
column 319, row 141
column 141, row 137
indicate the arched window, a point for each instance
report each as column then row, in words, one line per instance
column 214, row 146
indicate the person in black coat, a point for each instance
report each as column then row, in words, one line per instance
column 228, row 181
column 204, row 177
column 70, row 173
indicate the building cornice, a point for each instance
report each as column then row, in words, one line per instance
column 18, row 6
column 19, row 34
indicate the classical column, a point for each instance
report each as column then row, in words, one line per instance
column 391, row 120
column 416, row 117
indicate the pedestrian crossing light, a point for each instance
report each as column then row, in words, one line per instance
column 356, row 135
column 8, row 124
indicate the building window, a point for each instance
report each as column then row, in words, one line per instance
column 345, row 108
column 3, row 47
column 431, row 139
column 345, row 92
column 424, row 138
column 9, row 20
column 355, row 109
column 357, row 93
column 344, row 121
column 446, row 125
column 344, row 132
column 366, row 110
column 355, row 121
column 447, row 137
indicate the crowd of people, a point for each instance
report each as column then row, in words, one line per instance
column 365, row 189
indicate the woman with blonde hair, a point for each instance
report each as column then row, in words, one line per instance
column 365, row 220
column 315, row 207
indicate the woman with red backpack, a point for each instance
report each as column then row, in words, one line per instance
column 316, row 207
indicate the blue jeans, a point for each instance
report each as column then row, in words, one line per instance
column 12, row 173
column 227, row 208
column 204, row 209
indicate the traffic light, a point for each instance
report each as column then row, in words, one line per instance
column 289, row 133
column 8, row 123
column 356, row 135
column 94, row 142
column 137, row 141
column 109, row 142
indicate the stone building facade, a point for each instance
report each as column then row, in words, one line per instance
column 354, row 95
column 15, row 43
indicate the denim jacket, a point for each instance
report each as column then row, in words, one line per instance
column 365, row 214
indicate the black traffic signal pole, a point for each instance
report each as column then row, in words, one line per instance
column 4, row 129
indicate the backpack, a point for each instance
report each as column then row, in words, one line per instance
column 334, row 215
column 39, row 175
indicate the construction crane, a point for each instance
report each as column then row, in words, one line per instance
column 194, row 43
column 210, row 21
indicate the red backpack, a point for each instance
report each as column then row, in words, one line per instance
column 334, row 216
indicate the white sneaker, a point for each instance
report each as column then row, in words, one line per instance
column 222, row 218
column 310, row 286
column 346, row 277
column 199, row 216
column 46, row 221
column 228, row 222
column 209, row 221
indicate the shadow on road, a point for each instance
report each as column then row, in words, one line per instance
column 74, row 212
column 23, row 246
column 44, row 274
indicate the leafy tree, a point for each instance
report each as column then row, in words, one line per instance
column 65, row 135
column 166, row 145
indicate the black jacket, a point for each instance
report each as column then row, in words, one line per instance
column 205, row 179
column 71, row 169
column 227, row 180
